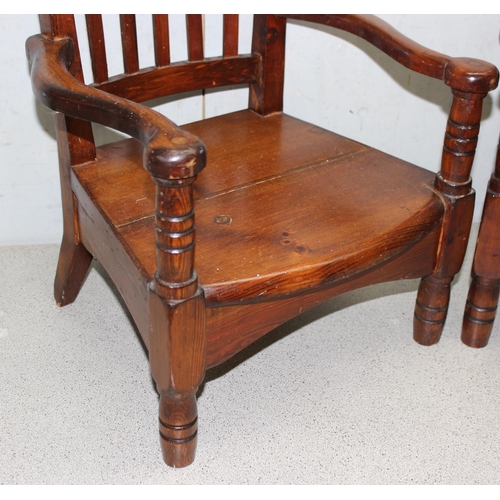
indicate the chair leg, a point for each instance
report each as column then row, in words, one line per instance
column 178, row 429
column 76, row 146
column 481, row 306
column 431, row 309
column 74, row 262
column 177, row 354
column 454, row 184
column 480, row 311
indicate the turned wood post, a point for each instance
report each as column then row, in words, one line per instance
column 482, row 300
column 455, row 185
column 268, row 40
column 75, row 145
column 178, row 346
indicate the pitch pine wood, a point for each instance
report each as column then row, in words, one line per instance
column 482, row 301
column 218, row 232
column 230, row 35
column 161, row 40
column 129, row 43
column 268, row 218
column 97, row 47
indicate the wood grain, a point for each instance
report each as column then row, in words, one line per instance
column 161, row 39
column 286, row 229
column 129, row 43
column 230, row 35
column 97, row 47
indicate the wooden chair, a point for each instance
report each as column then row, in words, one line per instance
column 482, row 301
column 287, row 214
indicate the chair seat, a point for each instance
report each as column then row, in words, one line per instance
column 282, row 206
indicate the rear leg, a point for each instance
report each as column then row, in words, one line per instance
column 74, row 262
column 75, row 141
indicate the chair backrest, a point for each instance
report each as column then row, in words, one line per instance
column 196, row 73
column 262, row 69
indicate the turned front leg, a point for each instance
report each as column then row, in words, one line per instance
column 178, row 345
column 178, row 428
column 177, row 353
column 177, row 314
column 454, row 184
column 431, row 310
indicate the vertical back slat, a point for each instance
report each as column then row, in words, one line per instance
column 230, row 36
column 161, row 40
column 97, row 47
column 195, row 37
column 129, row 43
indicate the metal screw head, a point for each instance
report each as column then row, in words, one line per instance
column 222, row 219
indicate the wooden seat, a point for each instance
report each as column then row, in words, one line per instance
column 216, row 233
column 244, row 210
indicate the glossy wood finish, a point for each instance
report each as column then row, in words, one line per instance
column 454, row 183
column 240, row 212
column 161, row 40
column 266, row 92
column 129, row 43
column 195, row 37
column 210, row 252
column 234, row 327
column 482, row 301
column 230, row 35
column 97, row 46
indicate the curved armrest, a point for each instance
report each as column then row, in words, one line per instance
column 169, row 153
column 463, row 74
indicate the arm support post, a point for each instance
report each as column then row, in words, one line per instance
column 178, row 343
column 455, row 185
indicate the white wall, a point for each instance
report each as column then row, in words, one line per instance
column 339, row 83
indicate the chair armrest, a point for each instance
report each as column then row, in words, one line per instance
column 463, row 74
column 169, row 153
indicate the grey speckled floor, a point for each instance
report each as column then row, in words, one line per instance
column 78, row 404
